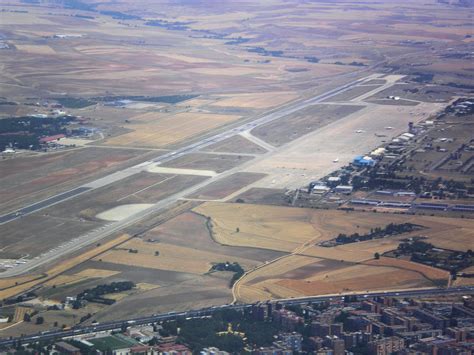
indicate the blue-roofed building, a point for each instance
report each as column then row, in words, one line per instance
column 363, row 161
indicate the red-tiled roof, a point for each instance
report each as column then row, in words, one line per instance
column 51, row 138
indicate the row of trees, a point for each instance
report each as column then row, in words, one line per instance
column 96, row 294
column 377, row 233
column 233, row 267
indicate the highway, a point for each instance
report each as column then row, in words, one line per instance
column 100, row 327
column 110, row 228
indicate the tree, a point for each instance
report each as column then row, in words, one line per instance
column 123, row 327
column 39, row 320
column 153, row 341
column 27, row 318
column 377, row 256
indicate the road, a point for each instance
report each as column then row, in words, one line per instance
column 95, row 328
column 110, row 228
column 111, row 178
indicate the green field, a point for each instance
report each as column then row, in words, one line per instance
column 112, row 343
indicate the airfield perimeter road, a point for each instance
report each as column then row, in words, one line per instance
column 110, row 228
column 117, row 325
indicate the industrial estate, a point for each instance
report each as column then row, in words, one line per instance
column 278, row 177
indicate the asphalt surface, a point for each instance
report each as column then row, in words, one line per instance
column 110, row 228
column 101, row 327
column 42, row 204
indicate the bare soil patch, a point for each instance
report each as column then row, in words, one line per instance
column 226, row 186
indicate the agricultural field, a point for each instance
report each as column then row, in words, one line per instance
column 16, row 285
column 262, row 100
column 311, row 269
column 153, row 131
column 149, row 78
column 169, row 246
column 178, row 280
column 261, row 226
column 295, row 277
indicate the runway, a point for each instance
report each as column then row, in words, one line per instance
column 106, row 230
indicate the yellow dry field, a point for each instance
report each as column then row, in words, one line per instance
column 380, row 37
column 35, row 49
column 185, row 58
column 383, row 274
column 170, row 129
column 355, row 252
column 20, row 313
column 57, row 270
column 265, row 290
column 64, row 280
column 256, row 100
column 17, row 18
column 469, row 270
column 87, row 255
column 144, row 286
column 464, row 281
column 196, row 102
column 230, row 71
column 99, row 273
column 119, row 296
column 140, row 287
column 6, row 283
column 171, row 257
column 281, row 266
column 432, row 31
column 286, row 228
column 149, row 117
column 207, row 22
column 267, row 227
column 425, row 270
column 310, row 269
column 357, row 278
column 102, row 50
